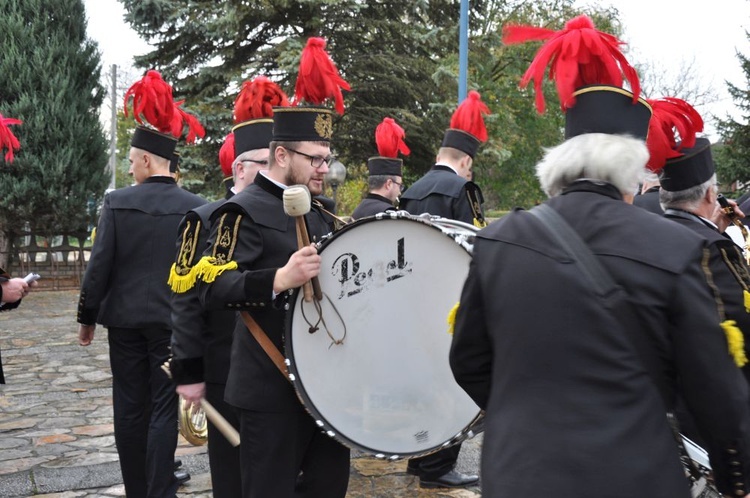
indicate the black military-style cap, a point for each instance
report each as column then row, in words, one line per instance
column 154, row 142
column 607, row 109
column 693, row 168
column 252, row 134
column 461, row 140
column 302, row 124
column 174, row 163
column 380, row 165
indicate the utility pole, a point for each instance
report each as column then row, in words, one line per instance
column 113, row 130
column 463, row 50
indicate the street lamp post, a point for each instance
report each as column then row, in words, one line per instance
column 335, row 177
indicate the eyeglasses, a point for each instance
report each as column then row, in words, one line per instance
column 400, row 185
column 315, row 161
column 262, row 162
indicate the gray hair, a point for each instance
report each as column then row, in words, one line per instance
column 616, row 159
column 687, row 199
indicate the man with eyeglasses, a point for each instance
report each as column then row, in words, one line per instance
column 201, row 340
column 385, row 184
column 252, row 265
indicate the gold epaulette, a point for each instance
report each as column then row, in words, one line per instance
column 210, row 267
column 182, row 275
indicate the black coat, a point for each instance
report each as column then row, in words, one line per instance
column 728, row 270
column 372, row 205
column 125, row 284
column 252, row 230
column 571, row 408
column 201, row 341
column 440, row 192
column 649, row 200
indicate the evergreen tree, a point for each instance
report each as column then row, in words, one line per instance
column 49, row 78
column 733, row 157
column 389, row 51
column 401, row 59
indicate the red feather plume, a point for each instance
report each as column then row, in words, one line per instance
column 670, row 115
column 7, row 139
column 318, row 78
column 578, row 55
column 226, row 155
column 180, row 118
column 389, row 138
column 257, row 98
column 468, row 116
column 152, row 100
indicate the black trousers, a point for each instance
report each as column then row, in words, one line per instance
column 432, row 466
column 145, row 411
column 223, row 458
column 285, row 455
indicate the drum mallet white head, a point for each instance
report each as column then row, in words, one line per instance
column 297, row 202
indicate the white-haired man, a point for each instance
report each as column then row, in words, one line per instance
column 575, row 385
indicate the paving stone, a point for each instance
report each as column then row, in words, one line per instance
column 56, row 420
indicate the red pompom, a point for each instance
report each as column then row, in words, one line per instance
column 389, row 138
column 257, row 98
column 318, row 78
column 180, row 118
column 468, row 116
column 7, row 139
column 670, row 115
column 226, row 155
column 578, row 55
column 152, row 100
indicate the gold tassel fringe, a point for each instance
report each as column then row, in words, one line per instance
column 452, row 318
column 736, row 342
column 746, row 295
column 181, row 283
column 207, row 271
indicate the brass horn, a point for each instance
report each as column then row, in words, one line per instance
column 193, row 424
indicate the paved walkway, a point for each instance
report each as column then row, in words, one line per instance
column 56, row 433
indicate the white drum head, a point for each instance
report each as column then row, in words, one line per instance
column 387, row 389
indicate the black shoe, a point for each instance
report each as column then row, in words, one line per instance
column 181, row 476
column 412, row 470
column 177, row 464
column 451, row 479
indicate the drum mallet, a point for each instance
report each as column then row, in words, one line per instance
column 297, row 203
column 216, row 418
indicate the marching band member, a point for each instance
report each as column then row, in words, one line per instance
column 575, row 384
column 254, row 263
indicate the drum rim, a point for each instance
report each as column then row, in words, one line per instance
column 298, row 385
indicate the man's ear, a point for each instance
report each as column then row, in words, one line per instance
column 281, row 156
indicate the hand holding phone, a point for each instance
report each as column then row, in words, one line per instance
column 31, row 277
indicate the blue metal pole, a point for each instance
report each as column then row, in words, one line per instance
column 463, row 50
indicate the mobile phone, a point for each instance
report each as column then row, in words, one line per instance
column 31, row 277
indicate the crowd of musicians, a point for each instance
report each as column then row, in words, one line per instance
column 592, row 330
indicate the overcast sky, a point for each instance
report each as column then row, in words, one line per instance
column 664, row 31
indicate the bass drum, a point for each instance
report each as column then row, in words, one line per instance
column 370, row 360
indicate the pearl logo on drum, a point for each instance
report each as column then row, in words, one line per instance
column 346, row 268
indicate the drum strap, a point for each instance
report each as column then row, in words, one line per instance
column 268, row 346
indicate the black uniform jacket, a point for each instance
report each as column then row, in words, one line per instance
column 125, row 284
column 441, row 192
column 253, row 230
column 372, row 205
column 649, row 200
column 728, row 269
column 571, row 407
column 201, row 341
